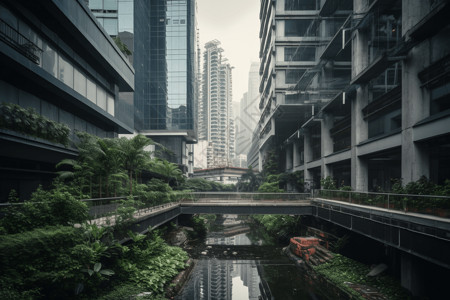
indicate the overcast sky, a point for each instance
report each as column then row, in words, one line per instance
column 235, row 23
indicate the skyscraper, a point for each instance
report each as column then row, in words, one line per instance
column 248, row 112
column 164, row 44
column 215, row 110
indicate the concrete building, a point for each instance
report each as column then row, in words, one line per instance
column 215, row 122
column 162, row 36
column 58, row 61
column 355, row 90
column 248, row 114
column 225, row 175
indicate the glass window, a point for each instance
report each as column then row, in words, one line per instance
column 302, row 27
column 101, row 98
column 79, row 84
column 110, row 26
column 96, row 4
column 300, row 5
column 293, row 76
column 299, row 54
column 440, row 99
column 385, row 123
column 110, row 4
column 49, row 60
column 110, row 105
column 65, row 71
column 91, row 91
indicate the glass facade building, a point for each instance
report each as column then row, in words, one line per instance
column 162, row 38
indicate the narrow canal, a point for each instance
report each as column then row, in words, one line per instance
column 238, row 261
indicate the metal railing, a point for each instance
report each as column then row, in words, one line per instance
column 19, row 42
column 211, row 197
column 424, row 204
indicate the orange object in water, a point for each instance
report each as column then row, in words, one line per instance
column 304, row 247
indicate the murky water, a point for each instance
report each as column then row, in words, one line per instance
column 235, row 262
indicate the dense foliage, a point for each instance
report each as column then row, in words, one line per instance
column 113, row 167
column 84, row 263
column 28, row 122
column 278, row 225
column 45, row 208
column 342, row 269
column 203, row 185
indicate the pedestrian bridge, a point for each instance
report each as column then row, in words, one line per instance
column 385, row 218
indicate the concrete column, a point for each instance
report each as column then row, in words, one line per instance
column 359, row 128
column 295, row 154
column 307, row 156
column 289, row 158
column 412, row 274
column 415, row 107
column 327, row 143
column 359, row 131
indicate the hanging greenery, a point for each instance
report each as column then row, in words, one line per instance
column 27, row 121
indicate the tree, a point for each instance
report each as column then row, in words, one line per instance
column 167, row 169
column 250, row 181
column 135, row 158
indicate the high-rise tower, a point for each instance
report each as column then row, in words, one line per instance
column 215, row 112
column 163, row 38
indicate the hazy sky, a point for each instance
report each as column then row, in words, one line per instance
column 235, row 23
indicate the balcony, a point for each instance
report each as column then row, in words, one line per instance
column 20, row 43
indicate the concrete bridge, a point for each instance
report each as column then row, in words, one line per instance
column 422, row 235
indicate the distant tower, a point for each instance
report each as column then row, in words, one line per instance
column 215, row 111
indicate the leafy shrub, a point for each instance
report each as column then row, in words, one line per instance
column 270, row 187
column 40, row 262
column 27, row 121
column 45, row 208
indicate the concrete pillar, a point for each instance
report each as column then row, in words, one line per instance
column 415, row 101
column 359, row 128
column 327, row 143
column 307, row 156
column 295, row 154
column 289, row 158
column 412, row 274
column 359, row 131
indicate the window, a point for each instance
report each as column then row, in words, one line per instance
column 293, row 76
column 110, row 26
column 385, row 123
column 110, row 105
column 440, row 99
column 91, row 91
column 302, row 27
column 299, row 53
column 79, row 83
column 96, row 4
column 300, row 5
column 49, row 60
column 110, row 4
column 101, row 98
column 65, row 73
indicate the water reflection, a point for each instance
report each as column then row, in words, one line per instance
column 232, row 266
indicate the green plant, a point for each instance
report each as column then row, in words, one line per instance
column 45, row 208
column 27, row 121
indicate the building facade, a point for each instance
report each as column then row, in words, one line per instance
column 247, row 115
column 216, row 124
column 63, row 68
column 355, row 90
column 162, row 37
